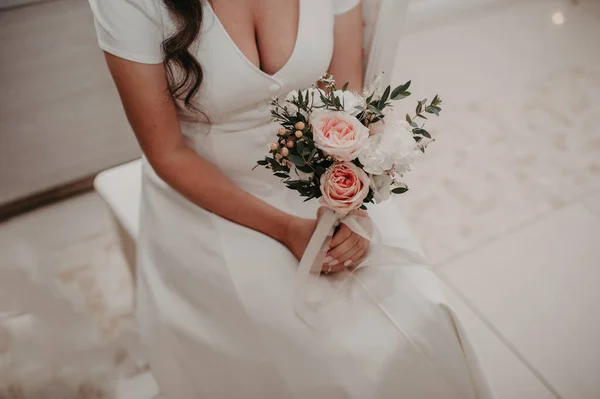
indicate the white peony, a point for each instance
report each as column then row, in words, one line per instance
column 374, row 158
column 399, row 141
column 381, row 186
column 394, row 148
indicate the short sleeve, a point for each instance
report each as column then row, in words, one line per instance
column 342, row 6
column 130, row 29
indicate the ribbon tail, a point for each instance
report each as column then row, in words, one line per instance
column 312, row 260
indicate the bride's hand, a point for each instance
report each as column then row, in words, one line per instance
column 299, row 233
column 346, row 249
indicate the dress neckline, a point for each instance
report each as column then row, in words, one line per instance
column 246, row 59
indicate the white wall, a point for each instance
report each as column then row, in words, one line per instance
column 60, row 116
column 426, row 12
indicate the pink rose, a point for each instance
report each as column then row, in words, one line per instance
column 338, row 134
column 344, row 187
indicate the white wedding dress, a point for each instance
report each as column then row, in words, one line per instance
column 215, row 299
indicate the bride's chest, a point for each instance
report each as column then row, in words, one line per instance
column 234, row 86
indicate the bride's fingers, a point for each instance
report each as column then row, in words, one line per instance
column 357, row 252
column 342, row 235
column 348, row 245
column 332, row 268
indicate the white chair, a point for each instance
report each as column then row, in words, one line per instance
column 120, row 187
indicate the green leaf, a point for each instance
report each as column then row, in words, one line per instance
column 422, row 132
column 374, row 110
column 409, row 119
column 401, row 91
column 297, row 160
column 400, row 190
column 363, row 207
column 421, row 116
column 282, row 175
column 305, row 168
column 345, row 86
column 432, row 109
column 384, row 97
column 262, row 162
column 419, row 107
column 319, row 170
column 337, row 102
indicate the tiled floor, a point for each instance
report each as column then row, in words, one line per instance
column 507, row 204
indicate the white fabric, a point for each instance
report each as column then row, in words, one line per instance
column 343, row 6
column 214, row 299
column 384, row 20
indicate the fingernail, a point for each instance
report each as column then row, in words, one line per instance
column 348, row 262
column 334, row 262
column 328, row 259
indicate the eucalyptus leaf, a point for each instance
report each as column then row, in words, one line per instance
column 297, row 160
column 384, row 97
column 345, row 86
column 422, row 132
column 305, row 169
column 400, row 190
column 374, row 110
column 282, row 175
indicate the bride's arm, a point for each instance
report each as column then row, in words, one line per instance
column 346, row 64
column 152, row 115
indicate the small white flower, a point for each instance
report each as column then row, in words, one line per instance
column 350, row 100
column 313, row 94
column 303, row 175
column 381, row 186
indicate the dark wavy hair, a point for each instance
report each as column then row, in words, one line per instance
column 184, row 72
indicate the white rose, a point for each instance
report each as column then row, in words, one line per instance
column 313, row 93
column 381, row 186
column 350, row 100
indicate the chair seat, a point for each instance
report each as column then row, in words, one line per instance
column 120, row 187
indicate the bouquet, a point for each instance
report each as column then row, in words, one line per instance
column 344, row 148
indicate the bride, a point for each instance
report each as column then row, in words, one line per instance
column 219, row 243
